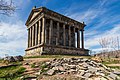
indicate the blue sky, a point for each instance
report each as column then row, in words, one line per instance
column 102, row 18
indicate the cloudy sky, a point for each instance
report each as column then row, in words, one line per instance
column 102, row 18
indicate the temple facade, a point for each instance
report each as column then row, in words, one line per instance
column 52, row 33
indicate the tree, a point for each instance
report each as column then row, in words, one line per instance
column 7, row 7
column 108, row 43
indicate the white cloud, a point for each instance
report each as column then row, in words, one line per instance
column 13, row 38
column 94, row 40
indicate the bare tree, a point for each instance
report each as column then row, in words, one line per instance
column 109, row 43
column 7, row 7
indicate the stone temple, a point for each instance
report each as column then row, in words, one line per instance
column 52, row 33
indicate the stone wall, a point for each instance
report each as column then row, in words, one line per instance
column 34, row 52
column 54, row 50
column 64, row 51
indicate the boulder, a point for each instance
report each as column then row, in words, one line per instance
column 13, row 59
column 18, row 58
column 9, row 58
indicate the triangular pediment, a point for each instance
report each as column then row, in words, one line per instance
column 32, row 15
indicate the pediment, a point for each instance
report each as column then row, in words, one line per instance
column 32, row 15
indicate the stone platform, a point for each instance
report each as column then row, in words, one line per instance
column 56, row 50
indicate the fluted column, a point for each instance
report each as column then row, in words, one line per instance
column 64, row 37
column 39, row 32
column 78, row 39
column 33, row 36
column 43, row 30
column 82, row 39
column 57, row 40
column 28, row 37
column 69, row 36
column 74, row 37
column 50, row 32
column 36, row 34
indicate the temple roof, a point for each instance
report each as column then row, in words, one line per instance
column 37, row 11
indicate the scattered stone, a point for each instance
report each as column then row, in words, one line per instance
column 114, row 76
column 85, row 69
column 61, row 68
column 50, row 72
column 9, row 58
column 26, row 63
column 116, row 72
column 13, row 59
column 18, row 58
column 88, row 75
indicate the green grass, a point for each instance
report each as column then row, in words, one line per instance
column 115, row 67
column 1, row 60
column 56, row 56
column 11, row 72
column 110, row 61
column 33, row 65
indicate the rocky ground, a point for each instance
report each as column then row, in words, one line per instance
column 72, row 69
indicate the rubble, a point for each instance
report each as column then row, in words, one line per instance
column 80, row 67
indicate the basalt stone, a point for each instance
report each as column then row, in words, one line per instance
column 18, row 58
column 9, row 58
column 50, row 72
column 81, row 67
column 13, row 59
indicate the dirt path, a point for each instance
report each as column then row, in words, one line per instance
column 113, row 64
column 30, row 61
column 38, row 59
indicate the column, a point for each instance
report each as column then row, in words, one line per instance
column 36, row 34
column 69, row 36
column 39, row 32
column 78, row 38
column 64, row 39
column 33, row 36
column 74, row 37
column 82, row 38
column 57, row 40
column 28, row 37
column 43, row 30
column 50, row 32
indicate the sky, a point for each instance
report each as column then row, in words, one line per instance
column 102, row 19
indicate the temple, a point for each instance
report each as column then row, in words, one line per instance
column 52, row 33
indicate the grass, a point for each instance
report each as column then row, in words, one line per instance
column 115, row 67
column 1, row 60
column 11, row 73
column 42, row 67
column 56, row 56
column 108, row 61
column 111, row 61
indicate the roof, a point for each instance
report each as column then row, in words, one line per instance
column 37, row 11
